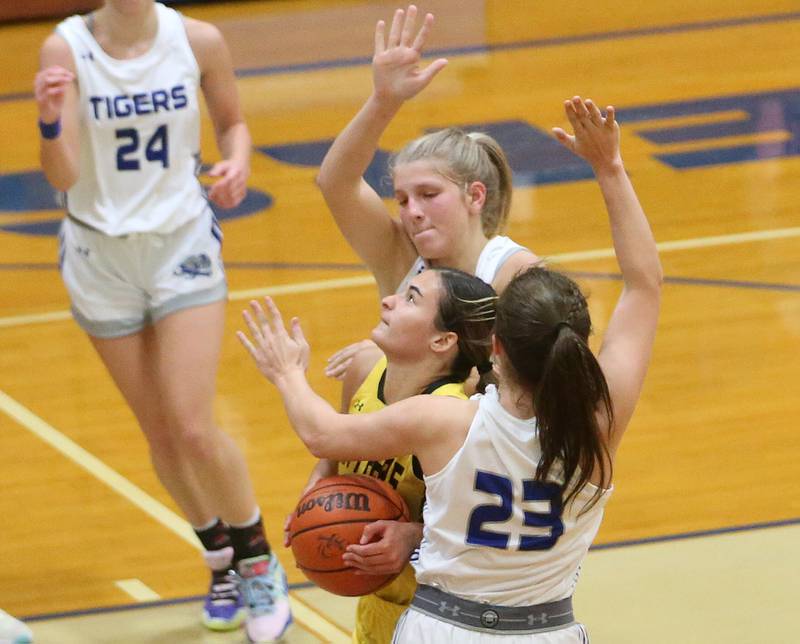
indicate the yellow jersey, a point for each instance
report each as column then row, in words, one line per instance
column 377, row 614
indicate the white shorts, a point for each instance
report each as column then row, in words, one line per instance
column 418, row 628
column 118, row 285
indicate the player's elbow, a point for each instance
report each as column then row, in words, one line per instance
column 332, row 180
column 62, row 180
column 324, row 181
column 654, row 279
column 318, row 446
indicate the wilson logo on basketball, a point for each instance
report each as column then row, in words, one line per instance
column 338, row 501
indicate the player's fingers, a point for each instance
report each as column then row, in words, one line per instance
column 408, row 26
column 594, row 113
column 366, row 549
column 580, row 109
column 394, row 31
column 572, row 115
column 611, row 116
column 261, row 319
column 247, row 344
column 275, row 314
column 431, row 70
column 251, row 324
column 567, row 140
column 373, row 532
column 337, row 370
column 345, row 353
column 353, row 559
column 297, row 332
column 216, row 170
column 422, row 34
column 380, row 37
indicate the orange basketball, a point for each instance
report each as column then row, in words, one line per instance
column 330, row 517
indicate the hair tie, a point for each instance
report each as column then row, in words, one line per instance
column 557, row 328
column 485, row 367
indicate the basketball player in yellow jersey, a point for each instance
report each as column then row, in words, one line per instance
column 377, row 614
column 454, row 311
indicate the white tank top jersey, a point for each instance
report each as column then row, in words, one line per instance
column 493, row 256
column 493, row 534
column 139, row 132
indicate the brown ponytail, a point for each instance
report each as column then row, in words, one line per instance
column 543, row 324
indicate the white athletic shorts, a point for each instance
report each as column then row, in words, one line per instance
column 415, row 627
column 118, row 285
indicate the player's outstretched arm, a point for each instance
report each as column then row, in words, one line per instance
column 358, row 210
column 628, row 341
column 422, row 423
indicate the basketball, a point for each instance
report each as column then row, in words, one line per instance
column 330, row 517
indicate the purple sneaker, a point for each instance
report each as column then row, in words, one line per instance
column 223, row 609
column 263, row 584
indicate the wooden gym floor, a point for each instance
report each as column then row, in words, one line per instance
column 696, row 543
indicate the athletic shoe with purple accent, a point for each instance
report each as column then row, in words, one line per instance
column 223, row 609
column 266, row 593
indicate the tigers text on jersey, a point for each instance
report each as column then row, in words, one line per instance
column 139, row 134
column 492, row 533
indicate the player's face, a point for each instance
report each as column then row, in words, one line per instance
column 407, row 319
column 432, row 208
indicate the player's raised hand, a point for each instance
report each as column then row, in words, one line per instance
column 275, row 352
column 595, row 138
column 49, row 87
column 396, row 73
column 340, row 361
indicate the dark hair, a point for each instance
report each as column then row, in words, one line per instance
column 467, row 308
column 465, row 157
column 543, row 324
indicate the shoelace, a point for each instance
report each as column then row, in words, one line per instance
column 224, row 589
column 259, row 593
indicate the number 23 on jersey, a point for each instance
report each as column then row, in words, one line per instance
column 547, row 497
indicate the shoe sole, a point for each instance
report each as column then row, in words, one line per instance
column 275, row 640
column 223, row 625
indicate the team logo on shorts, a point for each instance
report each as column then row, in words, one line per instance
column 195, row 266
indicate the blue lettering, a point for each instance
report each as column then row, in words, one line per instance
column 141, row 102
column 124, row 105
column 121, row 103
column 95, row 101
column 179, row 99
column 160, row 99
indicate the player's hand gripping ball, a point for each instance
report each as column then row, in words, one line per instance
column 330, row 517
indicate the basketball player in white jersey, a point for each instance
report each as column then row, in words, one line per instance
column 516, row 479
column 453, row 191
column 140, row 255
column 453, row 188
